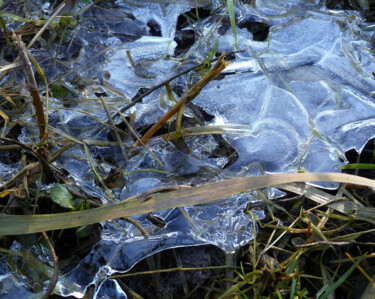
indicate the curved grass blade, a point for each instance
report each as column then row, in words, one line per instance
column 145, row 203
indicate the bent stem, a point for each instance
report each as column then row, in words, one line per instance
column 190, row 95
column 31, row 84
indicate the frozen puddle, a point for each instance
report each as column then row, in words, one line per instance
column 304, row 94
column 308, row 97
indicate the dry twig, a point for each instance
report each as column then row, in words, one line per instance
column 31, row 84
column 186, row 98
column 165, row 82
column 55, row 259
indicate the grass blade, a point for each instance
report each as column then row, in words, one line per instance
column 145, row 203
column 339, row 282
column 357, row 166
column 232, row 21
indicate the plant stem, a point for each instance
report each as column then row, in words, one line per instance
column 31, row 84
column 186, row 98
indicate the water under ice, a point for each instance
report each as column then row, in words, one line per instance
column 305, row 94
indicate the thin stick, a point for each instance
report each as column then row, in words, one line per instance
column 186, row 98
column 130, row 59
column 18, row 143
column 120, row 143
column 137, row 225
column 139, row 139
column 31, row 84
column 140, row 97
column 55, row 259
column 40, row 32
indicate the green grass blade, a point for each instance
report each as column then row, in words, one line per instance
column 232, row 21
column 357, row 166
column 26, row 224
column 338, row 282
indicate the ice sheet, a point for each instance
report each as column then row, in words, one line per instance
column 305, row 95
column 306, row 99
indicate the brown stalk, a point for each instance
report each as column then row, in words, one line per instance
column 165, row 82
column 55, row 275
column 31, row 84
column 186, row 98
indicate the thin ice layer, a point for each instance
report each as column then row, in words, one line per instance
column 303, row 112
column 119, row 250
column 312, row 103
column 308, row 101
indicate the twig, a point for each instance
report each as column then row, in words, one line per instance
column 55, row 276
column 130, row 59
column 137, row 225
column 140, row 97
column 186, row 98
column 110, row 119
column 31, row 84
column 10, row 147
column 139, row 139
column 40, row 32
column 18, row 144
